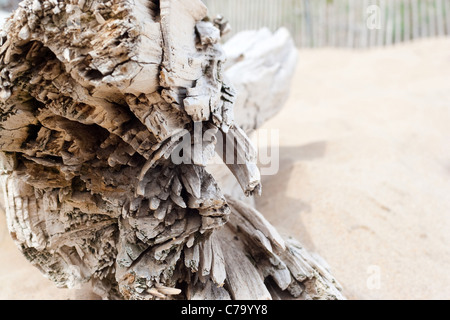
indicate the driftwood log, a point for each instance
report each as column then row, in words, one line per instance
column 96, row 98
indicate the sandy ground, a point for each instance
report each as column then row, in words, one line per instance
column 365, row 168
column 364, row 175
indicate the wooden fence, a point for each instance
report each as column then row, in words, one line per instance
column 340, row 23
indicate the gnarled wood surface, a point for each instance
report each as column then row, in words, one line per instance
column 95, row 99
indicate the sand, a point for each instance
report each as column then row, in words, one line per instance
column 364, row 177
column 365, row 168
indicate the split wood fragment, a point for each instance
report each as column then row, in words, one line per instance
column 95, row 98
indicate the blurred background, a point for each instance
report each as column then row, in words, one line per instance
column 364, row 177
column 335, row 23
column 340, row 23
column 8, row 5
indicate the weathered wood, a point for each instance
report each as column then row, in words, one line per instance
column 259, row 65
column 96, row 101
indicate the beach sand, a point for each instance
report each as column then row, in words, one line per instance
column 364, row 178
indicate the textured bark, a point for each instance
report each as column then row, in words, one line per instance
column 95, row 98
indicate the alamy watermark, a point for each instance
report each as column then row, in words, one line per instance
column 199, row 147
column 74, row 17
column 375, row 14
column 374, row 277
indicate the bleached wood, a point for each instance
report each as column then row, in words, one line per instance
column 95, row 99
column 259, row 65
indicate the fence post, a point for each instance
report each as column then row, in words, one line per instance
column 439, row 18
column 415, row 19
column 398, row 22
column 406, row 20
column 431, row 17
